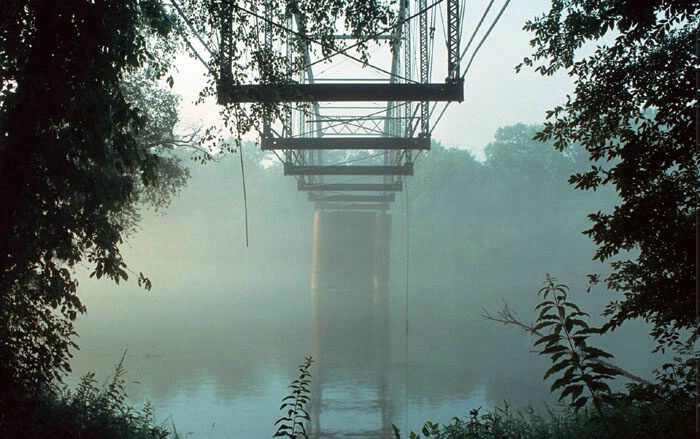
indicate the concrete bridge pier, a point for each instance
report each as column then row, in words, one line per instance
column 349, row 302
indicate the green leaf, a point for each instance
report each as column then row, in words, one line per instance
column 595, row 352
column 559, row 383
column 579, row 403
column 554, row 349
column 574, row 390
column 551, row 338
column 556, row 368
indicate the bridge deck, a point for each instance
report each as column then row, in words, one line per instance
column 406, row 169
column 350, row 187
column 341, row 92
column 384, row 198
column 354, row 143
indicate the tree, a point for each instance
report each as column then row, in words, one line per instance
column 634, row 110
column 71, row 159
column 255, row 48
column 77, row 152
column 514, row 152
column 158, row 107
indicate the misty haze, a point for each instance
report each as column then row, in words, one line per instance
column 349, row 219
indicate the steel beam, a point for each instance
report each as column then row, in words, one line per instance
column 385, row 198
column 343, row 92
column 290, row 169
column 350, row 187
column 344, row 206
column 354, row 143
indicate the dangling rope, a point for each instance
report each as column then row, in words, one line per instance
column 405, row 349
column 245, row 194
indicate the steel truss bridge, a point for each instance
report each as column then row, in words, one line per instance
column 349, row 132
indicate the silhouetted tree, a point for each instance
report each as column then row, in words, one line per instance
column 81, row 142
column 634, row 110
column 72, row 158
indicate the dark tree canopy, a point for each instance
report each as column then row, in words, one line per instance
column 71, row 159
column 82, row 131
column 634, row 110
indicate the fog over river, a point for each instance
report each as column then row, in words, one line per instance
column 219, row 338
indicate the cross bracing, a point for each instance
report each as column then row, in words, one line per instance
column 348, row 130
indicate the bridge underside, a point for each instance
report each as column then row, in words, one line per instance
column 342, row 92
column 350, row 139
column 347, row 143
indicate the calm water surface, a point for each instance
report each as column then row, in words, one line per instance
column 217, row 364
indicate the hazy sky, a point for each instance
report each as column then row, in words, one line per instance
column 495, row 95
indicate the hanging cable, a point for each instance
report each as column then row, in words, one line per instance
column 245, row 193
column 191, row 26
column 342, row 52
column 184, row 37
column 405, row 349
column 476, row 30
column 309, row 39
column 488, row 32
column 471, row 60
column 440, row 116
column 384, row 31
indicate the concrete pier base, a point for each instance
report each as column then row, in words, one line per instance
column 349, row 302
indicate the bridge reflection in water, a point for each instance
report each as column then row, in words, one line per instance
column 349, row 301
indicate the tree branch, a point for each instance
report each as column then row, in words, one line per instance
column 506, row 316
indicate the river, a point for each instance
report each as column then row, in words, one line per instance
column 217, row 364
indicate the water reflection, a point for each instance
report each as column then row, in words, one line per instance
column 350, row 320
column 218, row 365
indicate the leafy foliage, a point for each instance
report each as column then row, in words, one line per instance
column 72, row 160
column 157, row 108
column 494, row 212
column 255, row 50
column 292, row 424
column 565, row 344
column 628, row 419
column 634, row 110
column 90, row 410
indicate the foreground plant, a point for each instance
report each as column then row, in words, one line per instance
column 90, row 410
column 565, row 344
column 292, row 425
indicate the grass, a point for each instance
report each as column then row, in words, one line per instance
column 90, row 411
column 626, row 418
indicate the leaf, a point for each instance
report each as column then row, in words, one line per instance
column 595, row 352
column 554, row 349
column 551, row 338
column 565, row 380
column 580, row 403
column 573, row 390
column 555, row 356
column 170, row 81
column 556, row 368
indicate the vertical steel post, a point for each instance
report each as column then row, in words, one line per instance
column 408, row 109
column 267, row 55
column 288, row 125
column 453, row 40
column 392, row 115
column 424, row 66
column 225, row 51
column 408, row 132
